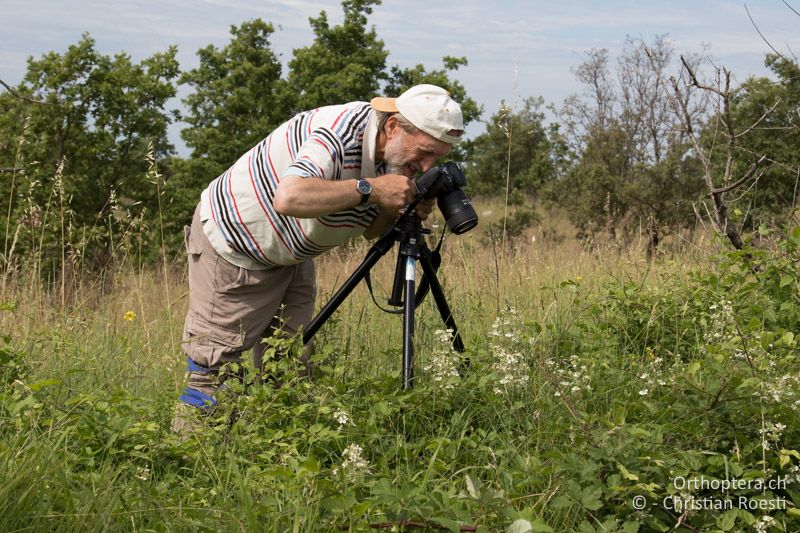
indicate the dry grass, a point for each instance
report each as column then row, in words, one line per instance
column 143, row 353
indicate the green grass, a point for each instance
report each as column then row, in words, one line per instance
column 626, row 380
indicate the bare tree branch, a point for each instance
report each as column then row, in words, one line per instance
column 747, row 176
column 728, row 121
column 722, row 90
column 693, row 78
column 711, row 218
column 761, row 34
column 757, row 122
column 11, row 170
column 790, row 7
column 15, row 94
column 700, row 218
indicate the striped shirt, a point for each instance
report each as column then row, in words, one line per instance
column 332, row 143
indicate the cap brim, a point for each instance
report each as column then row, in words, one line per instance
column 381, row 103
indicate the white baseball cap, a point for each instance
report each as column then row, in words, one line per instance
column 429, row 108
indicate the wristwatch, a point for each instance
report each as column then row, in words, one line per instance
column 365, row 188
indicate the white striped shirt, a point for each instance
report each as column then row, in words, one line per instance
column 332, row 143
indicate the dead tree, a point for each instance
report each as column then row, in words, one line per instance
column 718, row 186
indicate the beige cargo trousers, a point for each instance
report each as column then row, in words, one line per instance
column 232, row 308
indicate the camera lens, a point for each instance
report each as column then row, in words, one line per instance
column 458, row 211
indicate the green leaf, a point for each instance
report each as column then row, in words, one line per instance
column 540, row 526
column 788, row 338
column 786, row 279
column 630, row 527
column 626, row 474
column 39, row 385
column 619, row 414
column 449, row 523
column 590, row 498
column 727, row 520
column 473, row 487
column 786, row 456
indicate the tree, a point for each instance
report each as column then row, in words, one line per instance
column 514, row 150
column 766, row 115
column 401, row 79
column 83, row 149
column 344, row 63
column 236, row 99
column 632, row 158
column 716, row 145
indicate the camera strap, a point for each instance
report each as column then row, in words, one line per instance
column 368, row 279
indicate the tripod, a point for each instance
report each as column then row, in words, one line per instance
column 408, row 232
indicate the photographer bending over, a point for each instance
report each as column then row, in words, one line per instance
column 319, row 179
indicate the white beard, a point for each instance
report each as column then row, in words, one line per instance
column 394, row 165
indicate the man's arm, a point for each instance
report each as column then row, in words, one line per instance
column 315, row 197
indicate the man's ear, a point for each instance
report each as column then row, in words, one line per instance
column 391, row 126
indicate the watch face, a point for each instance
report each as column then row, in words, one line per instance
column 364, row 187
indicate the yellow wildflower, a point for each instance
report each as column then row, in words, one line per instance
column 130, row 316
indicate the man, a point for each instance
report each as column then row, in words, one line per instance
column 319, row 179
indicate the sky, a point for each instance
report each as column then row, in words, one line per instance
column 515, row 48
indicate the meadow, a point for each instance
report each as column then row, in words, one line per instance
column 605, row 392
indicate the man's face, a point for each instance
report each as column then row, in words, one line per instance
column 410, row 154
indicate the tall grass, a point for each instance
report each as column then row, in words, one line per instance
column 625, row 388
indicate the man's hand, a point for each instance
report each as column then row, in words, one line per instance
column 425, row 207
column 391, row 192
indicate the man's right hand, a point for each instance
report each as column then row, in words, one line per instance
column 392, row 192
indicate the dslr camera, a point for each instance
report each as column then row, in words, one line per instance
column 445, row 183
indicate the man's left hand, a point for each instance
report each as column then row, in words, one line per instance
column 425, row 207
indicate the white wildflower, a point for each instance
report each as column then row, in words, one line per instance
column 508, row 362
column 444, row 361
column 772, row 431
column 573, row 377
column 354, row 463
column 644, row 392
column 142, row 473
column 342, row 418
column 722, row 323
column 764, row 524
column 794, row 475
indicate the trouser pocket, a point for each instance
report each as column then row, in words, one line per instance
column 211, row 345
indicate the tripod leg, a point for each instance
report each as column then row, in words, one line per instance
column 378, row 250
column 441, row 301
column 408, row 324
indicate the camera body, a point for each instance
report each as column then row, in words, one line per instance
column 445, row 183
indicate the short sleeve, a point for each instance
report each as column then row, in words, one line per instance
column 320, row 156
